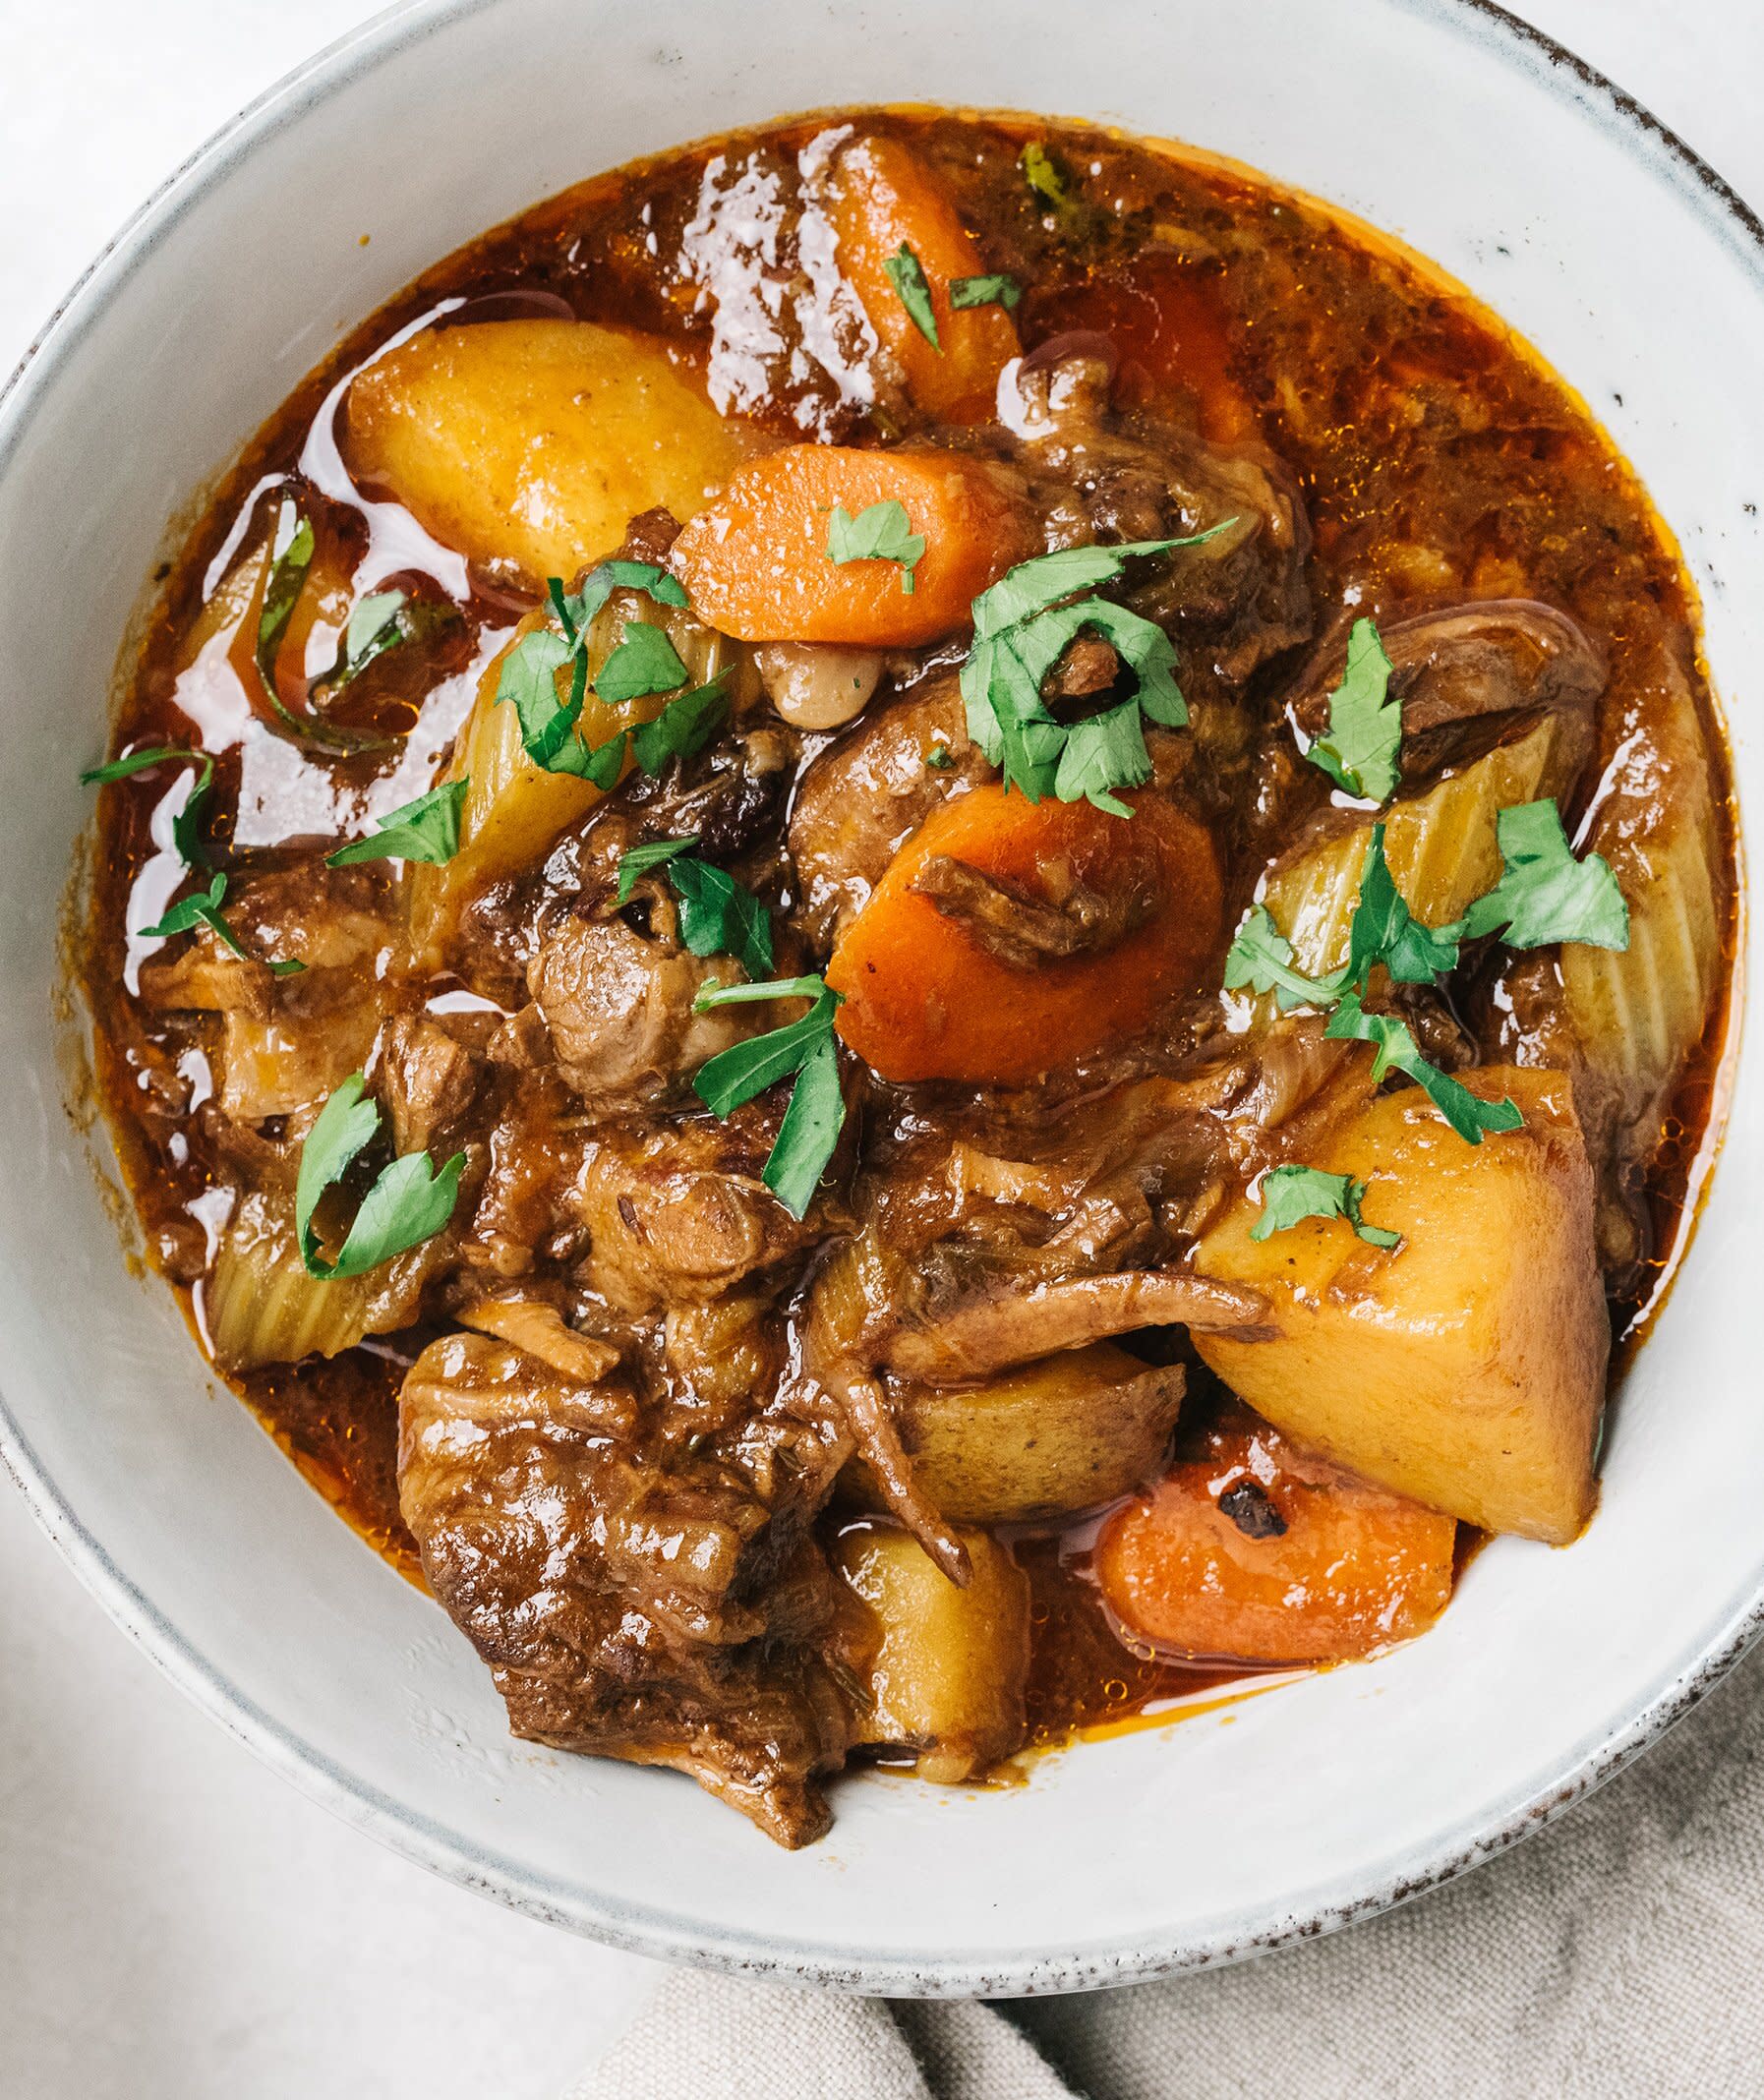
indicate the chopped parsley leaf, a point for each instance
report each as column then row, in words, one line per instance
column 122, row 769
column 528, row 678
column 1359, row 749
column 1545, row 895
column 682, row 729
column 1040, row 172
column 408, row 1203
column 186, row 823
column 816, row 1110
column 1259, row 959
column 378, row 623
column 880, row 532
column 1288, row 1195
column 1020, row 630
column 427, row 829
column 528, row 681
column 640, row 859
column 290, row 557
column 993, row 289
column 1395, row 1046
column 1103, row 752
column 644, row 662
column 719, row 916
column 1385, row 931
column 201, row 908
column 907, row 274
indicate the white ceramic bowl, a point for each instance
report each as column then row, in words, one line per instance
column 1607, row 244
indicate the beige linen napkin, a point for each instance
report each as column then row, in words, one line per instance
column 1618, row 1956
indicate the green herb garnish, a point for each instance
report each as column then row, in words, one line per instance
column 880, row 532
column 682, row 729
column 1040, row 172
column 940, row 758
column 718, row 916
column 378, row 623
column 1103, row 752
column 1020, row 631
column 721, row 995
column 907, row 274
column 292, row 549
column 1385, row 931
column 186, row 837
column 427, row 829
column 201, row 908
column 290, row 557
column 1289, row 1195
column 1395, row 1046
column 1259, row 959
column 640, row 859
column 644, row 662
column 1545, row 895
column 813, row 1117
column 1359, row 749
column 528, row 681
column 122, row 769
column 816, row 1110
column 995, row 289
column 409, row 1202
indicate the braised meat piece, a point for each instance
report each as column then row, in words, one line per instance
column 1238, row 598
column 619, row 1013
column 860, row 801
column 430, row 1081
column 675, row 1212
column 616, row 1597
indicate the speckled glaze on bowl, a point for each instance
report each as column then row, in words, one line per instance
column 1559, row 202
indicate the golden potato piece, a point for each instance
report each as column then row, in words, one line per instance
column 950, row 1666
column 1045, row 1440
column 1466, row 1366
column 535, row 442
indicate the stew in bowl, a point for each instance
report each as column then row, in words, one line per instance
column 914, row 928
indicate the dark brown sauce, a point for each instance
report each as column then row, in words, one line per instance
column 1251, row 312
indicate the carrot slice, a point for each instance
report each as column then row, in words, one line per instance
column 930, row 993
column 755, row 562
column 1255, row 1551
column 883, row 199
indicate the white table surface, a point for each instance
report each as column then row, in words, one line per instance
column 176, row 1923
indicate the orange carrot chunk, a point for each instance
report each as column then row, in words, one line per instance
column 755, row 562
column 1255, row 1551
column 1009, row 936
column 884, row 199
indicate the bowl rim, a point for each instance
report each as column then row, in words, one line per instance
column 653, row 1931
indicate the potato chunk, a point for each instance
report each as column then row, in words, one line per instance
column 1464, row 1367
column 1251, row 1550
column 535, row 442
column 950, row 1666
column 1049, row 1438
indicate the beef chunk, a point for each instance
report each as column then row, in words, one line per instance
column 619, row 1600
column 619, row 1008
